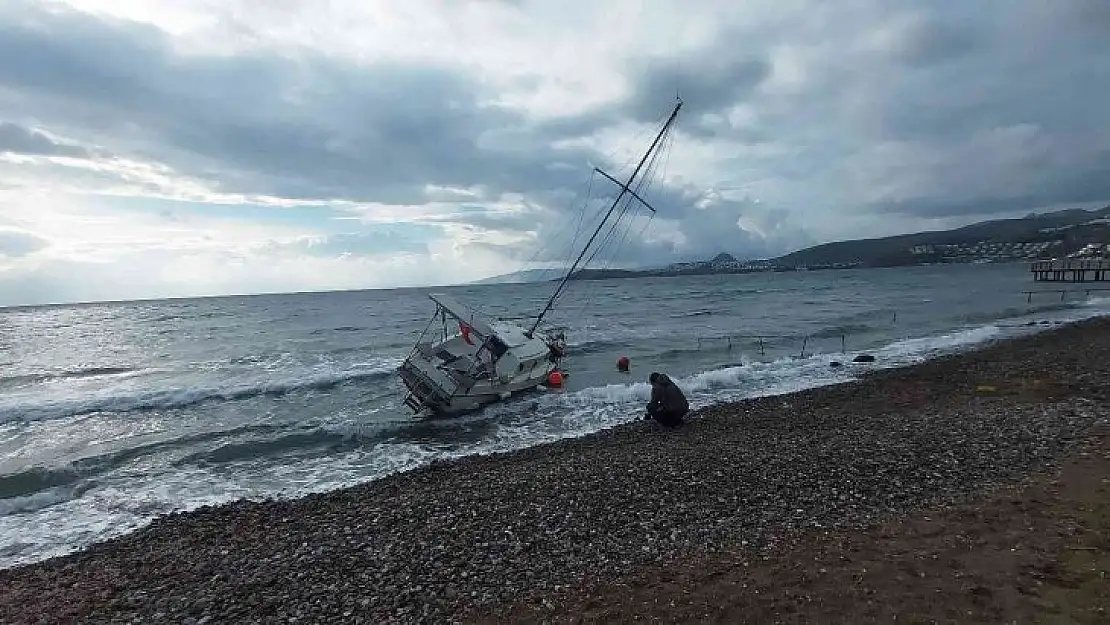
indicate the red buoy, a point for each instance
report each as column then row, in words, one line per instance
column 622, row 364
column 555, row 378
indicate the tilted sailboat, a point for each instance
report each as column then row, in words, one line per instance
column 488, row 360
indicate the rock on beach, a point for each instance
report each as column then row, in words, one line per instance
column 438, row 543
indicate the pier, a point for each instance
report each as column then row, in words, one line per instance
column 1071, row 270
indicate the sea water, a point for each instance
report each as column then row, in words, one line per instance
column 111, row 414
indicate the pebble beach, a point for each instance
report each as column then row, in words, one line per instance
column 454, row 540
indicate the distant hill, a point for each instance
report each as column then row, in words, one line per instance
column 528, row 275
column 1066, row 229
column 553, row 275
column 607, row 274
column 895, row 250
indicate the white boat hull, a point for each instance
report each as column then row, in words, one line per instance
column 438, row 402
column 464, row 372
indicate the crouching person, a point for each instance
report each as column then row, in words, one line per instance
column 668, row 404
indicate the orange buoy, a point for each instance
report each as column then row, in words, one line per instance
column 622, row 364
column 555, row 378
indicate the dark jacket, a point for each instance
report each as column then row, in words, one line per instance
column 666, row 396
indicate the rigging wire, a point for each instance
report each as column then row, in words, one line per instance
column 580, row 221
column 642, row 186
column 669, row 141
column 646, row 183
column 548, row 247
column 658, row 142
column 568, row 249
column 544, row 247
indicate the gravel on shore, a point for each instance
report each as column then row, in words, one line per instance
column 434, row 544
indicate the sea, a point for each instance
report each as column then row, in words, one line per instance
column 114, row 413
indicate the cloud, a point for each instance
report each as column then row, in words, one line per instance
column 445, row 141
column 16, row 243
column 710, row 82
column 302, row 125
column 16, row 139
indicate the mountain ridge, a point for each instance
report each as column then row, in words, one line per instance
column 1072, row 227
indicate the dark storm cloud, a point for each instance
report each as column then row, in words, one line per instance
column 706, row 83
column 934, row 39
column 935, row 81
column 1091, row 185
column 307, row 127
column 16, row 139
column 314, row 127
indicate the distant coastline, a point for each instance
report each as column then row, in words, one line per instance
column 1060, row 234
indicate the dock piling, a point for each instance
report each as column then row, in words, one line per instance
column 1071, row 270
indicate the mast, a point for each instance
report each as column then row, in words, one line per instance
column 625, row 188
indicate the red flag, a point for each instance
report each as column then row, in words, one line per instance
column 465, row 329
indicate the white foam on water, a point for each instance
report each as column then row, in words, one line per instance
column 34, row 405
column 919, row 349
column 36, row 501
column 593, row 409
column 63, row 523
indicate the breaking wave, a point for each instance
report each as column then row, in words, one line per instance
column 84, row 372
column 173, row 398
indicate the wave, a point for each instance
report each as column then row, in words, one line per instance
column 32, row 502
column 39, row 478
column 1015, row 313
column 85, row 372
column 693, row 313
column 36, row 479
column 565, row 415
column 307, row 439
column 192, row 315
column 910, row 350
column 166, row 399
column 337, row 329
column 783, row 374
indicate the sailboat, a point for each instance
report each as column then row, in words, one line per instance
column 473, row 360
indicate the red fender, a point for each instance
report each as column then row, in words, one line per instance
column 465, row 329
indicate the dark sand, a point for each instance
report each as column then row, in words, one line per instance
column 793, row 495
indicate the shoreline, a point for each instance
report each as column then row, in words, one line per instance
column 440, row 541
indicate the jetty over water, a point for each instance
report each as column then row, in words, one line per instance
column 1071, row 270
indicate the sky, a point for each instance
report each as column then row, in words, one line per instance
column 207, row 147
